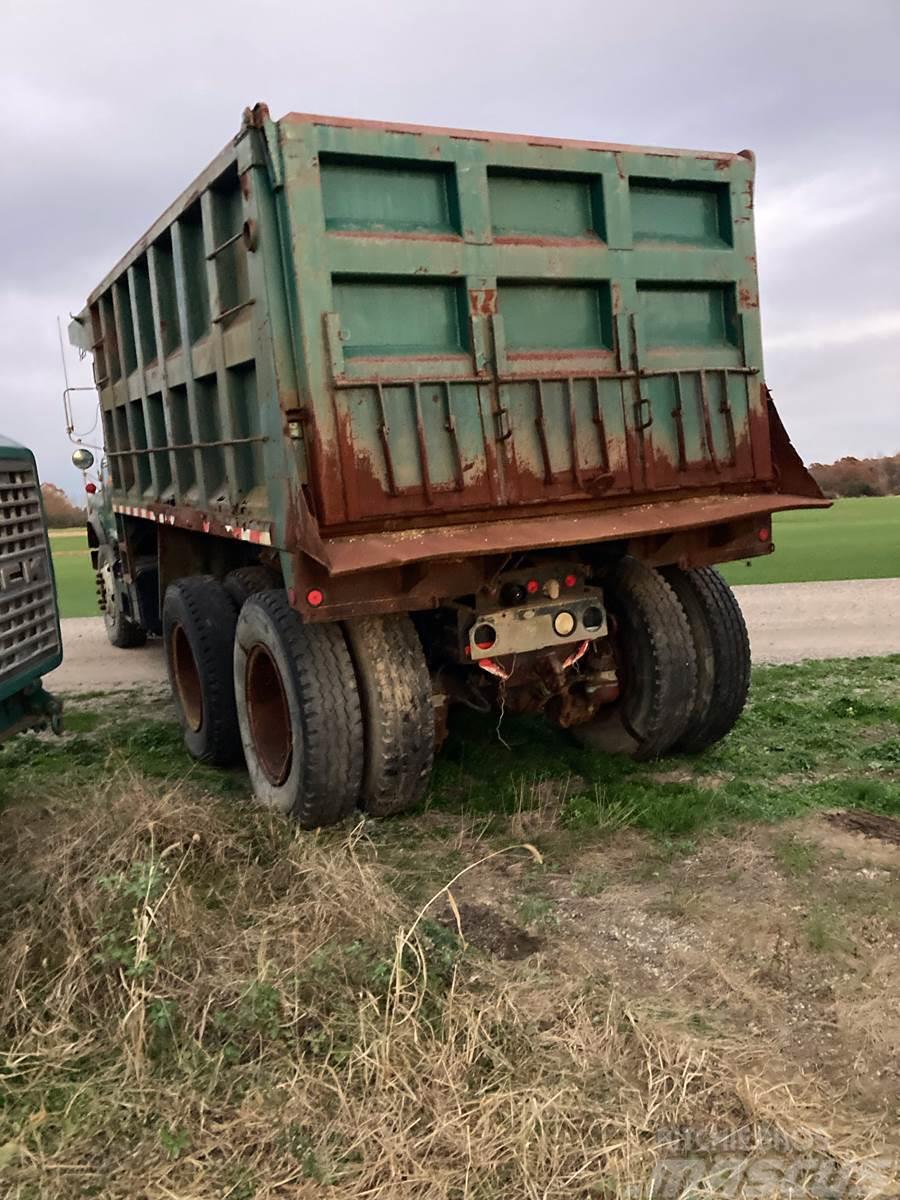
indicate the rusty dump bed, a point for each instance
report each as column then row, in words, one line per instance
column 374, row 344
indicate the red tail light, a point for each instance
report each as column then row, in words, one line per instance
column 314, row 597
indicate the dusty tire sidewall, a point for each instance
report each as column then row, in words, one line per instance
column 198, row 741
column 704, row 647
column 256, row 627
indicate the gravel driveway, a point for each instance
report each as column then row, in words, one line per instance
column 788, row 622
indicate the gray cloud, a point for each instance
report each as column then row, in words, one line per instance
column 110, row 109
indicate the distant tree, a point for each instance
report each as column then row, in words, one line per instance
column 60, row 511
column 859, row 476
column 860, row 487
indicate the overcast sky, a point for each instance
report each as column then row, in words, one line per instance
column 110, row 109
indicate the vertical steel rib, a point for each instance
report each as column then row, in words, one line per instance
column 142, row 460
column 542, row 432
column 384, row 432
column 423, row 447
column 707, row 423
column 187, row 350
column 573, row 427
column 231, row 481
column 450, row 426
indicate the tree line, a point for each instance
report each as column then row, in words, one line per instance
column 859, row 476
column 59, row 510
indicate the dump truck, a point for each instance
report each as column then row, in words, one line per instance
column 398, row 418
column 30, row 642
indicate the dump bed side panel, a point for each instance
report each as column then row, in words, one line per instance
column 192, row 352
column 492, row 325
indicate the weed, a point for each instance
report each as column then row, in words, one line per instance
column 824, row 932
column 795, row 856
column 81, row 721
column 174, row 1141
column 678, row 903
column 589, row 883
column 537, row 911
column 883, row 754
column 597, row 811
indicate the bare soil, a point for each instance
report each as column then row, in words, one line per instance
column 797, row 966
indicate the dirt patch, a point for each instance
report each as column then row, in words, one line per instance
column 799, row 952
column 687, row 776
column 869, row 824
column 486, row 930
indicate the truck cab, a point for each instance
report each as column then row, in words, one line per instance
column 30, row 640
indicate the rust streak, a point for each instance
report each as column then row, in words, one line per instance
column 483, row 302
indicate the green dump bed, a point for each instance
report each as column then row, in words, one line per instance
column 378, row 343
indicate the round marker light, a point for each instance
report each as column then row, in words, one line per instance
column 570, row 580
column 564, row 623
column 90, row 488
column 764, row 535
column 531, row 587
column 513, row 593
column 592, row 618
column 484, row 636
column 314, row 597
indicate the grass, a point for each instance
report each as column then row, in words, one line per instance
column 813, row 735
column 75, row 584
column 198, row 1000
column 856, row 539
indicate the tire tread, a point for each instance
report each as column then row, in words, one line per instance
column 330, row 713
column 398, row 713
column 244, row 582
column 718, row 711
column 210, row 630
column 672, row 653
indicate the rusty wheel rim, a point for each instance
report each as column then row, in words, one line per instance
column 269, row 715
column 187, row 679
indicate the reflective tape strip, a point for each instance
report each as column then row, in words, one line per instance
column 259, row 537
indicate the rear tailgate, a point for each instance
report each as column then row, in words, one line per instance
column 492, row 323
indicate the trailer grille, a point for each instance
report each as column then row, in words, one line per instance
column 29, row 632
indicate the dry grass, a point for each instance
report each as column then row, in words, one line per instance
column 196, row 1002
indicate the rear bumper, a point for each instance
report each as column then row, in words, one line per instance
column 365, row 552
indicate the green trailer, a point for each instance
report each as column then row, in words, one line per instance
column 30, row 642
column 399, row 417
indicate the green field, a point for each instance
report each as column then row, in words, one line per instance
column 856, row 539
column 74, row 577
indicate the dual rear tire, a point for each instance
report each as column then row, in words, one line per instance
column 327, row 717
column 683, row 658
column 333, row 716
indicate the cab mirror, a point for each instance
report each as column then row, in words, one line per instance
column 82, row 459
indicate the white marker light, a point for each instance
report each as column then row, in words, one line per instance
column 564, row 623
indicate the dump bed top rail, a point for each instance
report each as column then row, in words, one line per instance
column 227, row 155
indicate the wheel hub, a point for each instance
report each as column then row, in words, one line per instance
column 187, row 679
column 269, row 715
